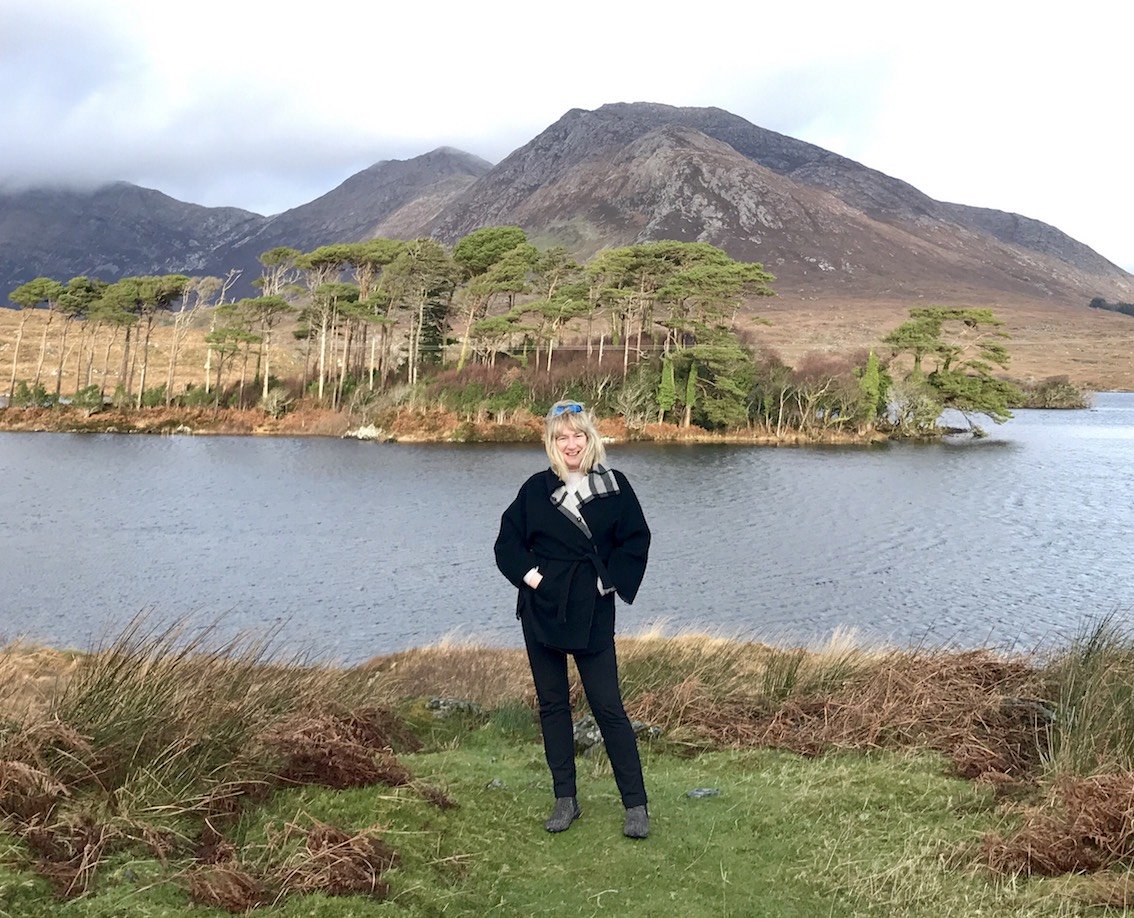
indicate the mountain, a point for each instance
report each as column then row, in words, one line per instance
column 115, row 230
column 825, row 225
column 391, row 198
column 820, row 222
column 121, row 229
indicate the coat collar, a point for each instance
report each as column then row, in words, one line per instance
column 599, row 483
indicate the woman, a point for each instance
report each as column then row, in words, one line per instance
column 574, row 536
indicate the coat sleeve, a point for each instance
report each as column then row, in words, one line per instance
column 627, row 563
column 513, row 557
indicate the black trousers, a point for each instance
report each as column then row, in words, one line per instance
column 599, row 672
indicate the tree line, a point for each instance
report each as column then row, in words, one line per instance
column 1127, row 309
column 647, row 330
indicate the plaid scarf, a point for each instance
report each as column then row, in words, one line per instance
column 599, row 483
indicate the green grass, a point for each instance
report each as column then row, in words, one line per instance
column 846, row 834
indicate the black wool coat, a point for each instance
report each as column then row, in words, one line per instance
column 609, row 540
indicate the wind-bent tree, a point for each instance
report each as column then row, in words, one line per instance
column 269, row 311
column 964, row 346
column 198, row 294
column 236, row 322
column 41, row 290
column 74, row 304
column 156, row 294
column 475, row 255
column 28, row 297
column 421, row 278
column 706, row 290
column 366, row 261
column 327, row 302
column 278, row 270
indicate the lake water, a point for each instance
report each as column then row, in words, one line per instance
column 350, row 549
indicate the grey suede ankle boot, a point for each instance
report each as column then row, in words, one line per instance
column 566, row 812
column 637, row 823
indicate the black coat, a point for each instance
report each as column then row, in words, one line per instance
column 566, row 611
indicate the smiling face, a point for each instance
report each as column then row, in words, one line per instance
column 571, row 443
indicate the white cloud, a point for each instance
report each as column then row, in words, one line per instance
column 246, row 103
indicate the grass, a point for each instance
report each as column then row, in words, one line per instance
column 163, row 769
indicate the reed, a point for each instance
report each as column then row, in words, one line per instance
column 164, row 731
column 1091, row 684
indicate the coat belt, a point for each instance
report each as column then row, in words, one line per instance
column 600, row 571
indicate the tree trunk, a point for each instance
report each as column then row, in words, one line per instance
column 79, row 358
column 626, row 345
column 322, row 354
column 145, row 359
column 209, row 352
column 42, row 349
column 306, row 362
column 16, row 356
column 337, row 402
column 267, row 358
column 90, row 356
column 243, row 376
column 62, row 353
column 123, row 379
column 106, row 363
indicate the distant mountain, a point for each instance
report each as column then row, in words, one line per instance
column 121, row 229
column 819, row 221
column 627, row 172
column 115, row 230
column 391, row 198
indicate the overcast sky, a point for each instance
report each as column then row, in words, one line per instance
column 1019, row 106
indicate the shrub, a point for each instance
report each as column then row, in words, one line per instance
column 28, row 397
column 197, row 397
column 89, row 397
column 277, row 402
column 154, row 398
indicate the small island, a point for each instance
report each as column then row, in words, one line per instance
column 413, row 341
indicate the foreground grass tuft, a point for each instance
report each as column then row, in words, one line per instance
column 164, row 770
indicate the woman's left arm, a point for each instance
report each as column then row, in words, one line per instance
column 627, row 562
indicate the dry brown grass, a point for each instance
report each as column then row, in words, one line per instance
column 340, row 750
column 1082, row 825
column 159, row 732
column 30, row 677
column 977, row 707
column 1090, row 347
column 336, row 862
column 303, row 857
column 489, row 676
column 228, row 887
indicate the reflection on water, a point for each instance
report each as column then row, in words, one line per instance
column 352, row 549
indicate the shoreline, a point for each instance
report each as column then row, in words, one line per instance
column 424, row 425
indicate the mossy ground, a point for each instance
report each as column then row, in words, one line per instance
column 843, row 834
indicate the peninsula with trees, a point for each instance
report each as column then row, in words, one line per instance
column 387, row 335
column 625, row 256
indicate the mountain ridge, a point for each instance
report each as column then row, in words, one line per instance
column 621, row 173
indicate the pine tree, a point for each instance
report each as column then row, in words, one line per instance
column 667, row 390
column 690, row 395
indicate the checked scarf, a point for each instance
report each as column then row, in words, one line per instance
column 599, row 483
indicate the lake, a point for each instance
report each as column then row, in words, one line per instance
column 349, row 549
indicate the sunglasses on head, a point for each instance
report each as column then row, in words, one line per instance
column 566, row 408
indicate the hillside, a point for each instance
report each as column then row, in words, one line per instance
column 824, row 224
column 851, row 248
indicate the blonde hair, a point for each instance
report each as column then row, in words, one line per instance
column 593, row 454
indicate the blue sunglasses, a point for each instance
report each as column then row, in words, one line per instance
column 566, row 408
